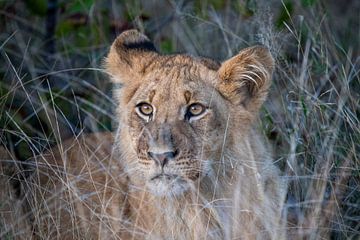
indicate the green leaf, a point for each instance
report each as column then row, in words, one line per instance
column 166, row 46
column 308, row 3
column 64, row 28
column 37, row 7
column 81, row 6
column 246, row 9
column 303, row 104
column 285, row 14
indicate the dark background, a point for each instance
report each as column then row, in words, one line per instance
column 52, row 85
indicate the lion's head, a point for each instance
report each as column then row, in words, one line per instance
column 177, row 113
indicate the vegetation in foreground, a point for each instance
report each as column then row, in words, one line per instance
column 52, row 85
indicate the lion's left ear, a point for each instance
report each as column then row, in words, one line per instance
column 245, row 78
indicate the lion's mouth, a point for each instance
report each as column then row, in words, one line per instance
column 165, row 184
column 164, row 176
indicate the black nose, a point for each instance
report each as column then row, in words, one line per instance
column 162, row 158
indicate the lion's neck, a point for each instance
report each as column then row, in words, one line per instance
column 192, row 211
column 202, row 210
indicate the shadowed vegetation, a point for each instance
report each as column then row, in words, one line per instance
column 53, row 86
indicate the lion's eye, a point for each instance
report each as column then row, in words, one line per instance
column 145, row 109
column 195, row 109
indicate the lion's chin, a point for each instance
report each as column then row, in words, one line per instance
column 167, row 185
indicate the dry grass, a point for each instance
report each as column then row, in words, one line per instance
column 311, row 117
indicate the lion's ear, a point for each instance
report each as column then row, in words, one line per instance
column 128, row 56
column 245, row 78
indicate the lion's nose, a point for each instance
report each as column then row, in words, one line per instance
column 162, row 158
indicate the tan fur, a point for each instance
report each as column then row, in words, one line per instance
column 13, row 222
column 220, row 182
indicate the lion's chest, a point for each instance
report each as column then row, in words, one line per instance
column 174, row 219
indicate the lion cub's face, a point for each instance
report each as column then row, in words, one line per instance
column 175, row 109
column 176, row 121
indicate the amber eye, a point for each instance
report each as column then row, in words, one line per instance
column 145, row 109
column 195, row 109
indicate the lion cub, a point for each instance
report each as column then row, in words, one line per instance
column 185, row 162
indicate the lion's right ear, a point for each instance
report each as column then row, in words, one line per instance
column 128, row 57
column 245, row 78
